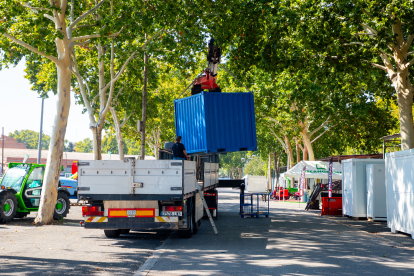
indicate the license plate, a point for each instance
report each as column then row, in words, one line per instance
column 131, row 213
column 172, row 214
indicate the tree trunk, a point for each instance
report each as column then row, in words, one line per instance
column 144, row 105
column 157, row 142
column 119, row 139
column 54, row 158
column 404, row 91
column 305, row 153
column 297, row 153
column 97, row 143
column 308, row 145
column 276, row 165
column 289, row 151
column 269, row 172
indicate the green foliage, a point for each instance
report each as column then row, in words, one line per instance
column 255, row 166
column 110, row 144
column 292, row 53
column 84, row 146
column 68, row 146
column 31, row 138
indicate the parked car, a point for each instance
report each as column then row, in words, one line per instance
column 70, row 184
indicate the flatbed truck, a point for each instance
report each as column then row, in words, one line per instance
column 144, row 195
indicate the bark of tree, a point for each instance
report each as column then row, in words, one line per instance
column 54, row 159
column 269, row 172
column 117, row 127
column 289, row 151
column 305, row 154
column 276, row 165
column 144, row 105
column 297, row 153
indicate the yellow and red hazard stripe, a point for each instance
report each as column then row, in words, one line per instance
column 165, row 219
column 97, row 219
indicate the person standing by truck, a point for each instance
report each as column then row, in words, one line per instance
column 178, row 149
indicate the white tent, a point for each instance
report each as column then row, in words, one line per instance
column 315, row 169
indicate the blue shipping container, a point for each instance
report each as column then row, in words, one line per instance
column 216, row 122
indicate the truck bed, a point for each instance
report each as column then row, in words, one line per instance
column 136, row 179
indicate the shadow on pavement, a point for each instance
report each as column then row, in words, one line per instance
column 290, row 242
column 135, row 249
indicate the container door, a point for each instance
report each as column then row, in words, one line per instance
column 379, row 193
column 347, row 188
column 359, row 196
column 370, row 198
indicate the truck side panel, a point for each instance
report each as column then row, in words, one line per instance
column 147, row 177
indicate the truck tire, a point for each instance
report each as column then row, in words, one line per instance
column 187, row 233
column 195, row 225
column 8, row 207
column 62, row 206
column 112, row 233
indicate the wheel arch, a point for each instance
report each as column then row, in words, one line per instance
column 64, row 190
column 4, row 191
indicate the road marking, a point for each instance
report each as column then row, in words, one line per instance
column 151, row 261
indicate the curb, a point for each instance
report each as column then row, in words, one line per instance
column 151, row 261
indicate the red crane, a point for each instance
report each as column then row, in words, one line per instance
column 208, row 80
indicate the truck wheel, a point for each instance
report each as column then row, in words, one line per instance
column 190, row 220
column 112, row 233
column 195, row 226
column 22, row 214
column 8, row 207
column 62, row 206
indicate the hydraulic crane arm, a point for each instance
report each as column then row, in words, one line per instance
column 208, row 80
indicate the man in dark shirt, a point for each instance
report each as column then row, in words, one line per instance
column 178, row 149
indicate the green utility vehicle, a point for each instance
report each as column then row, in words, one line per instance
column 20, row 191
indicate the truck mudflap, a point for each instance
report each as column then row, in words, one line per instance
column 157, row 222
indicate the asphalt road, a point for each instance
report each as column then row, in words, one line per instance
column 290, row 242
column 69, row 249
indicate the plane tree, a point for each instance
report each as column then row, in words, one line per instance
column 374, row 35
column 47, row 32
column 294, row 44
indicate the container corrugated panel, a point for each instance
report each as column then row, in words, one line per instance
column 216, row 122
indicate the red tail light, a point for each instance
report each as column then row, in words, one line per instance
column 92, row 211
column 172, row 208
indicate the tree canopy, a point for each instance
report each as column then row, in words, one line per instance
column 31, row 138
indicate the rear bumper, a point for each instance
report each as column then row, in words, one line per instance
column 132, row 223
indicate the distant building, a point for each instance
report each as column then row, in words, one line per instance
column 11, row 143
